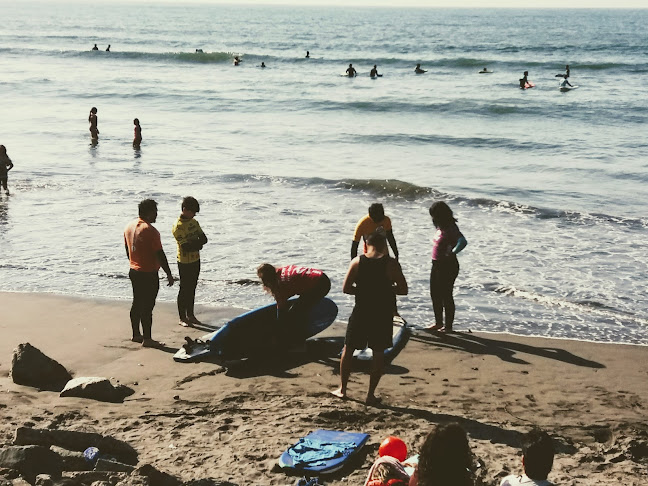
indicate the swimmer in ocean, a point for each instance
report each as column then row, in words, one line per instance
column 108, row 48
column 137, row 135
column 524, row 80
column 263, row 64
column 307, row 53
column 351, row 71
column 564, row 83
column 92, row 119
column 374, row 72
column 418, row 69
column 237, row 61
column 95, row 48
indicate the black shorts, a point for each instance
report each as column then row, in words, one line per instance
column 370, row 328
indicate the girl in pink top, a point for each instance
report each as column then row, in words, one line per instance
column 447, row 242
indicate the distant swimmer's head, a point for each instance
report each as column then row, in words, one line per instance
column 375, row 66
column 442, row 216
column 376, row 212
column 93, row 110
column 526, row 73
column 262, row 64
column 268, row 275
column 136, row 122
column 350, row 65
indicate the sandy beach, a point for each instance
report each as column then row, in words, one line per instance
column 203, row 421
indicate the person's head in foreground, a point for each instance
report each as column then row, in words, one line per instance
column 376, row 212
column 442, row 216
column 378, row 240
column 537, row 454
column 387, row 471
column 190, row 203
column 148, row 210
column 444, row 459
column 268, row 275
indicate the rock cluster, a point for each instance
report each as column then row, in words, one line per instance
column 43, row 457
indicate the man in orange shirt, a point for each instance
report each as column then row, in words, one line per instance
column 144, row 251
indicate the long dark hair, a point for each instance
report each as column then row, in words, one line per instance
column 445, row 458
column 442, row 216
column 268, row 275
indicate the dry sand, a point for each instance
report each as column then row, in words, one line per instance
column 200, row 420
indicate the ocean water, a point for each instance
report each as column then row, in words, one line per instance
column 550, row 188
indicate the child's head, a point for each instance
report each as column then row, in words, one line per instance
column 538, row 454
column 445, row 458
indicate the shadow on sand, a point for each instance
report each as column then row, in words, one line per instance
column 505, row 350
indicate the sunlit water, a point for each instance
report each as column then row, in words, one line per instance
column 549, row 187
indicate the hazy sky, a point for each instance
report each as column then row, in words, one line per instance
column 401, row 3
column 436, row 3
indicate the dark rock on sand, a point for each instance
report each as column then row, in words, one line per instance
column 30, row 367
column 158, row 478
column 31, row 461
column 77, row 441
column 96, row 388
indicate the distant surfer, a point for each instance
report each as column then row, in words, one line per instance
column 199, row 51
column 108, row 48
column 524, row 80
column 484, row 71
column 351, row 72
column 137, row 135
column 237, row 61
column 564, row 83
column 374, row 279
column 5, row 166
column 307, row 54
column 374, row 72
column 95, row 48
column 190, row 239
column 146, row 256
column 263, row 64
column 566, row 71
column 92, row 119
column 419, row 70
column 447, row 243
column 310, row 284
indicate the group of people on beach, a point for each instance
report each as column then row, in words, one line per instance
column 374, row 278
column 445, row 458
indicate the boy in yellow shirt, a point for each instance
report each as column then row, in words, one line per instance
column 190, row 239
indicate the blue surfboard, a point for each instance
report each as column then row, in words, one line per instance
column 323, row 451
column 246, row 334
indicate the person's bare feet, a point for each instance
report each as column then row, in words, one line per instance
column 137, row 339
column 338, row 393
column 152, row 343
column 193, row 320
column 184, row 322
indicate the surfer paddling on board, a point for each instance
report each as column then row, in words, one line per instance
column 375, row 279
column 564, row 83
column 146, row 256
column 351, row 72
column 190, row 239
column 310, row 284
column 419, row 70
